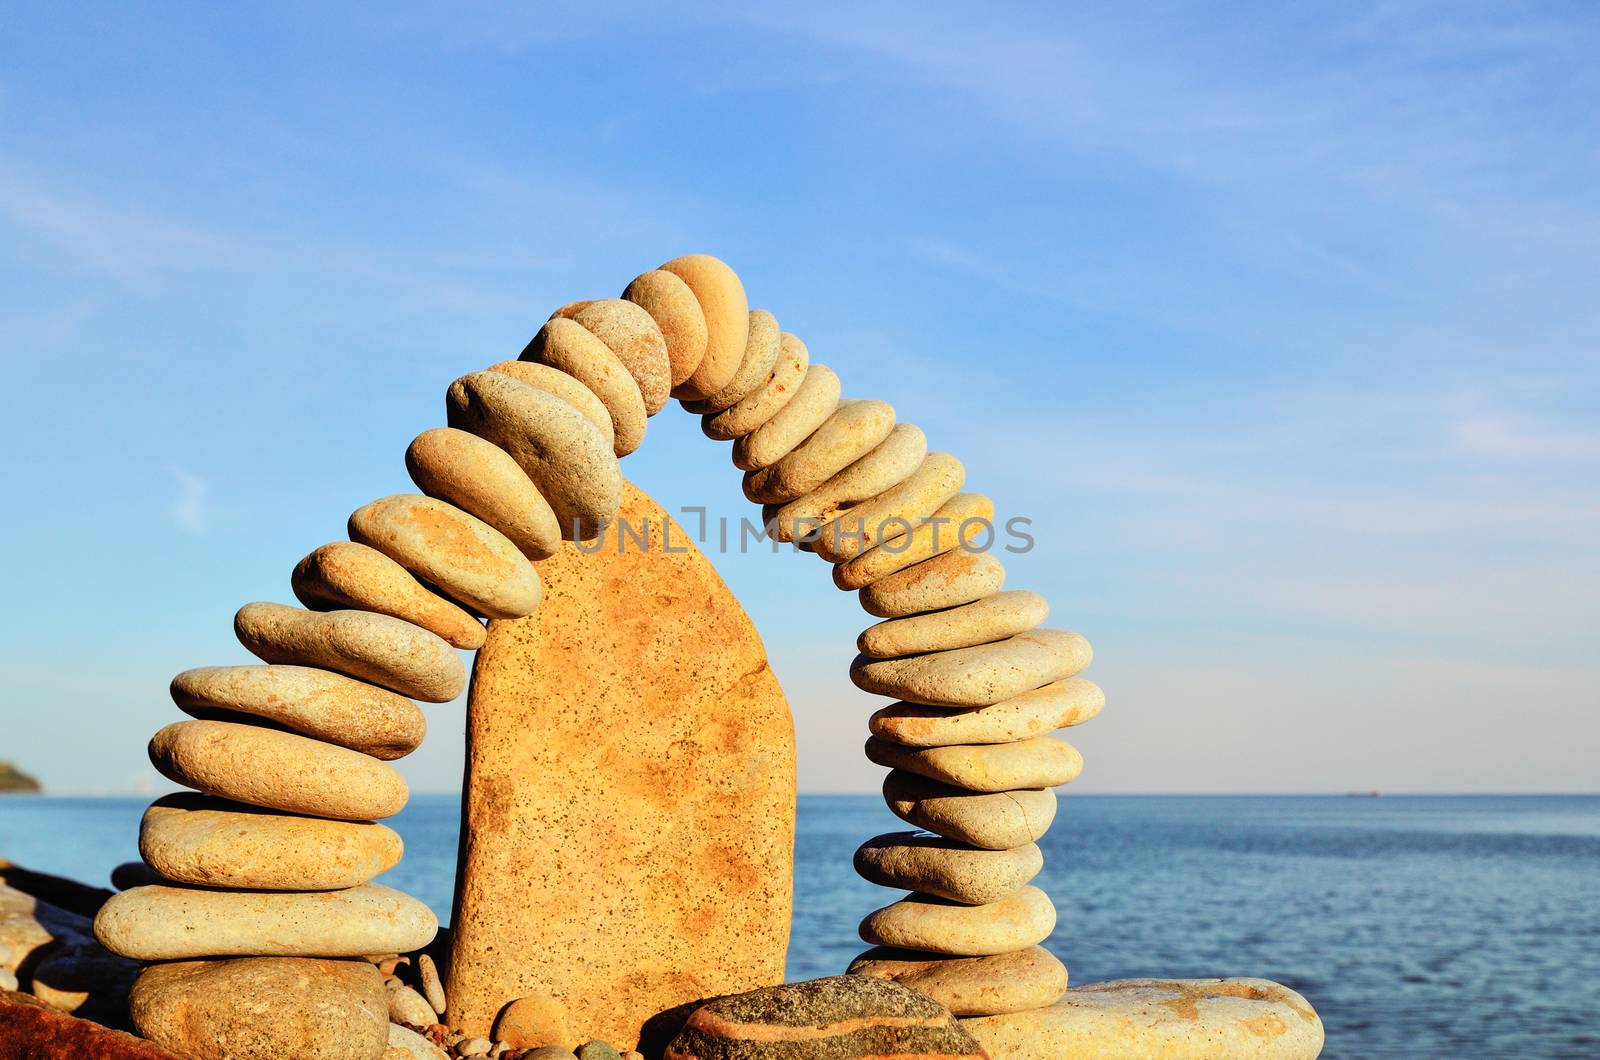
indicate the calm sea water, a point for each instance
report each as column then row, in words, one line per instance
column 1418, row 926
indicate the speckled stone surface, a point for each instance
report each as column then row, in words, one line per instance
column 965, row 521
column 1160, row 1019
column 1042, row 762
column 938, row 925
column 814, row 400
column 633, row 336
column 977, row 676
column 1034, row 713
column 890, row 463
column 972, row 986
column 478, row 476
column 854, row 430
column 344, row 575
column 32, row 1030
column 159, row 923
column 278, row 770
column 212, row 842
column 722, row 300
column 567, row 388
column 676, row 311
column 767, row 400
column 843, row 1017
column 572, row 348
column 994, row 821
column 913, row 861
column 755, row 367
column 946, row 580
column 980, row 622
column 893, row 513
column 264, row 1008
column 629, row 798
column 319, row 703
column 378, row 648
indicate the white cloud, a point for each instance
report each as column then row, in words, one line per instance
column 191, row 509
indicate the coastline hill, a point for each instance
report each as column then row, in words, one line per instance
column 14, row 779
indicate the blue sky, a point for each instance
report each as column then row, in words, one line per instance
column 1280, row 322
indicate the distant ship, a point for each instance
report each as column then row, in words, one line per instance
column 13, row 779
column 1373, row 794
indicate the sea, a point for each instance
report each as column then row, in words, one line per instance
column 1418, row 926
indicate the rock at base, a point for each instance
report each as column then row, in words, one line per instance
column 838, row 1018
column 1135, row 1019
column 32, row 1030
column 628, row 840
column 264, row 1007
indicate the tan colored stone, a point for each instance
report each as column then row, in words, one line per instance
column 1136, row 1019
column 993, row 821
column 946, row 580
column 854, row 429
column 478, row 476
column 377, row 648
column 209, row 842
column 1041, row 762
column 634, row 337
column 567, row 459
column 557, row 382
column 727, row 314
column 574, row 349
column 277, row 770
column 345, row 575
column 535, row 1020
column 180, row 923
column 263, row 1008
column 912, row 861
column 408, row 1007
column 317, row 703
column 464, row 556
column 761, row 347
column 980, row 622
column 407, row 1044
column 964, row 521
column 973, row 986
column 977, row 676
column 938, row 925
column 889, row 464
column 676, row 311
column 760, row 405
column 631, row 729
column 1036, row 713
column 813, row 402
column 894, row 512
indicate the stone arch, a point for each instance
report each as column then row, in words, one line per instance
column 529, row 459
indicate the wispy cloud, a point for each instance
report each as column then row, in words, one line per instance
column 191, row 509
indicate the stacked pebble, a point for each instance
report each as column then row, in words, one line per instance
column 275, row 855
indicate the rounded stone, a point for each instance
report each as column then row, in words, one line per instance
column 428, row 980
column 980, row 622
column 1036, row 713
column 317, row 703
column 460, row 553
column 894, row 513
column 567, row 459
column 760, row 405
column 181, row 923
column 407, row 1007
column 813, row 402
column 938, row 925
column 210, row 842
column 854, row 429
column 533, row 1021
column 913, row 861
column 976, row 676
column 556, row 382
column 946, row 580
column 1042, row 762
column 965, row 521
column 633, row 336
column 478, row 476
column 346, row 575
column 676, row 311
column 377, row 648
column 761, row 347
column 997, row 821
column 277, row 770
column 889, row 464
column 257, row 1008
column 572, row 348
column 407, row 1044
column 722, row 300
column 1197, row 1019
column 972, row 986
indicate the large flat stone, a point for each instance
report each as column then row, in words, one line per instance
column 1160, row 1019
column 32, row 1030
column 629, row 817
